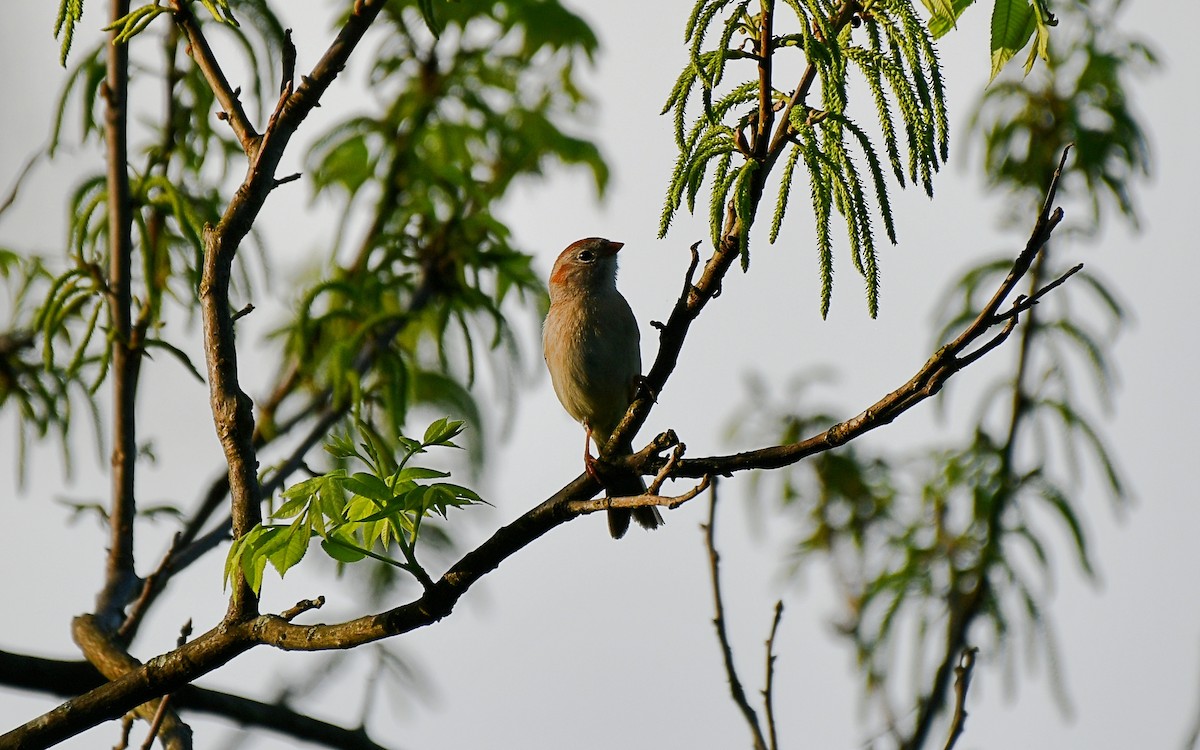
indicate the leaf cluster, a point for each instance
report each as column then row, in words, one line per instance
column 1013, row 24
column 1080, row 98
column 178, row 169
column 726, row 144
column 360, row 515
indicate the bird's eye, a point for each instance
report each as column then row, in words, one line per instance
column 586, row 256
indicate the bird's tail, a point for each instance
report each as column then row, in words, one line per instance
column 628, row 484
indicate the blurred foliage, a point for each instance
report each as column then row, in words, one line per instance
column 179, row 164
column 941, row 547
column 892, row 50
column 405, row 308
column 1081, row 100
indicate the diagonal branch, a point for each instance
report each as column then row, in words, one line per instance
column 944, row 363
column 232, row 110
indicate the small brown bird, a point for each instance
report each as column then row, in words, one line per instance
column 593, row 352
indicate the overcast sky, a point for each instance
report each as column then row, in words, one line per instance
column 583, row 642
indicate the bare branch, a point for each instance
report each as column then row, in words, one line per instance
column 647, row 499
column 206, row 61
column 768, row 688
column 70, row 678
column 302, row 606
column 735, row 685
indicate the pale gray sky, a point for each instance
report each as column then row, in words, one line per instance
column 583, row 642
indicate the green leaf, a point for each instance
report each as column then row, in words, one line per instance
column 291, row 548
column 70, row 12
column 294, row 506
column 369, row 486
column 178, row 354
column 413, row 473
column 943, row 18
column 342, row 551
column 442, row 432
column 347, row 164
column 426, row 8
column 1013, row 22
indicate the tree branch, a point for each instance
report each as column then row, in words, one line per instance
column 120, row 577
column 947, row 361
column 233, row 410
column 962, row 682
column 735, row 685
column 769, row 686
column 206, row 61
column 70, row 678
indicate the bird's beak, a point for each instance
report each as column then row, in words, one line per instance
column 611, row 248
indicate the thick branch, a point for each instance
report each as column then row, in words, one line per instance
column 113, row 661
column 233, row 411
column 70, row 678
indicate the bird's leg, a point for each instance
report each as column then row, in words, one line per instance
column 589, row 463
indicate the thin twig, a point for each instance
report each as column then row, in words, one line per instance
column 962, row 681
column 769, row 685
column 302, row 606
column 1025, row 303
column 735, row 685
column 206, row 61
column 647, row 499
column 126, row 727
column 156, row 722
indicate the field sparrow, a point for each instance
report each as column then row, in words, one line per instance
column 593, row 351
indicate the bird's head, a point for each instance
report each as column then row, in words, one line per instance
column 586, row 266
